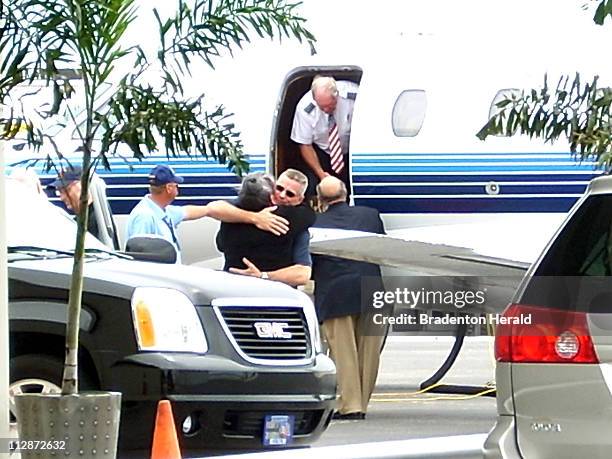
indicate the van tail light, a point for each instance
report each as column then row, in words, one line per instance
column 532, row 334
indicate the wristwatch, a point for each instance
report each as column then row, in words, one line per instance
column 264, row 275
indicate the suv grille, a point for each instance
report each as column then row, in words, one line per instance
column 261, row 332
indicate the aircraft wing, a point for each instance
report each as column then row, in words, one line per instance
column 425, row 258
column 494, row 255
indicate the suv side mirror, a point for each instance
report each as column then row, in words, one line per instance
column 151, row 248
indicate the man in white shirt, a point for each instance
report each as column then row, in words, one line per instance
column 322, row 129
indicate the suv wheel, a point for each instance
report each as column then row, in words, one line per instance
column 36, row 374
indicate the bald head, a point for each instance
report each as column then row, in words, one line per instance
column 331, row 190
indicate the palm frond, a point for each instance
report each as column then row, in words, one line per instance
column 211, row 27
column 579, row 112
column 144, row 119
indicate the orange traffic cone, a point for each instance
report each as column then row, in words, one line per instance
column 165, row 441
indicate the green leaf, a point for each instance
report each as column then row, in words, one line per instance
column 207, row 31
column 603, row 10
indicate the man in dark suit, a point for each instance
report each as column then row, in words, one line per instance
column 353, row 339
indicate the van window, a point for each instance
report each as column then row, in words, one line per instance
column 575, row 273
column 584, row 246
column 409, row 112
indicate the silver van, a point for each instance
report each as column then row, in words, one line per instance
column 554, row 356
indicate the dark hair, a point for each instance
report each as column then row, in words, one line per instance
column 255, row 192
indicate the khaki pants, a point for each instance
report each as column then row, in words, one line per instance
column 356, row 357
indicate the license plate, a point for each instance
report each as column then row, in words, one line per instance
column 278, row 430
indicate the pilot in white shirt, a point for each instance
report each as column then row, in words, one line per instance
column 327, row 103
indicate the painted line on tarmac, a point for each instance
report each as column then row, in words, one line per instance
column 430, row 399
column 453, row 447
column 396, row 394
column 436, row 338
column 423, row 397
column 421, row 393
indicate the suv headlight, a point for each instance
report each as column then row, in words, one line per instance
column 166, row 320
column 317, row 338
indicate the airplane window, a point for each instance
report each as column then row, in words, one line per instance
column 409, row 112
column 501, row 95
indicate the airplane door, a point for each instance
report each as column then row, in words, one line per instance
column 284, row 153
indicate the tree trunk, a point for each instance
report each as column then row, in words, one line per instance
column 70, row 382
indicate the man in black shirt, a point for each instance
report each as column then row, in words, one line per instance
column 288, row 192
column 240, row 242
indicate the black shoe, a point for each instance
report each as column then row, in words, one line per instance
column 348, row 416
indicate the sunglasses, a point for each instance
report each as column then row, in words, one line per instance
column 288, row 192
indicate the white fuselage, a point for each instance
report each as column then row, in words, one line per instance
column 456, row 55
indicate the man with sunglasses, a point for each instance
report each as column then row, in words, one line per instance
column 289, row 190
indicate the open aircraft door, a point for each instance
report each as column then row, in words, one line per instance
column 284, row 152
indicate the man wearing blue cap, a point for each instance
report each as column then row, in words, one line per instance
column 155, row 215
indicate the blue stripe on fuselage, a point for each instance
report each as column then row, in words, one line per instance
column 469, row 205
column 423, row 178
column 415, row 182
column 425, row 189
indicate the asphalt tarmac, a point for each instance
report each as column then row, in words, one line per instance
column 398, row 411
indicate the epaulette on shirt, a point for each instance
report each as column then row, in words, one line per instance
column 351, row 95
column 309, row 108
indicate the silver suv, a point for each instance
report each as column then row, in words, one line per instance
column 554, row 363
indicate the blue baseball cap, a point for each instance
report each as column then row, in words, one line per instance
column 160, row 175
column 66, row 177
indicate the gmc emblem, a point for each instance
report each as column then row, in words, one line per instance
column 272, row 330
